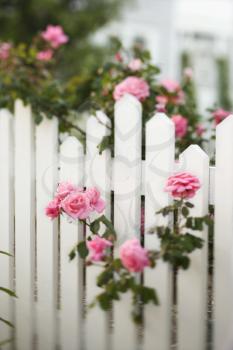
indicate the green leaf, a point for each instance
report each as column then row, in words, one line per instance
column 104, row 300
column 82, row 249
column 147, row 294
column 104, row 277
column 8, row 291
column 5, row 253
column 105, row 143
column 185, row 211
column 95, row 226
column 189, row 205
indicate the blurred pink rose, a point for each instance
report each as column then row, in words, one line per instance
column 97, row 247
column 200, row 129
column 133, row 256
column 171, row 86
column 52, row 210
column 182, row 185
column 161, row 103
column 64, row 189
column 45, row 55
column 135, row 64
column 118, row 57
column 135, row 86
column 188, row 73
column 96, row 202
column 5, row 51
column 55, row 36
column 179, row 99
column 77, row 205
column 181, row 125
column 219, row 115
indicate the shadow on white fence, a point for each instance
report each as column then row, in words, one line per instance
column 53, row 293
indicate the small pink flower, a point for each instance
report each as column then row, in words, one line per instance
column 171, row 86
column 45, row 55
column 219, row 115
column 135, row 86
column 133, row 256
column 135, row 65
column 55, row 36
column 200, row 129
column 118, row 57
column 182, row 185
column 161, row 103
column 5, row 51
column 96, row 202
column 52, row 210
column 181, row 125
column 77, row 205
column 188, row 73
column 64, row 189
column 97, row 248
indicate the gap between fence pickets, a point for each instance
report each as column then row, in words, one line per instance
column 176, row 167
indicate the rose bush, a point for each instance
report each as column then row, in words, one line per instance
column 120, row 274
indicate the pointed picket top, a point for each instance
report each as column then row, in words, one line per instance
column 160, row 118
column 191, row 155
column 130, row 100
column 226, row 124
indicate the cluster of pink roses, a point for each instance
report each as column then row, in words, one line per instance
column 75, row 202
column 171, row 93
column 55, row 36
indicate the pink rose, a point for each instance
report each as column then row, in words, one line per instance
column 179, row 99
column 219, row 115
column 135, row 65
column 182, row 185
column 161, row 103
column 55, row 36
column 5, row 51
column 181, row 125
column 77, row 205
column 135, row 86
column 118, row 57
column 200, row 129
column 96, row 202
column 53, row 210
column 97, row 247
column 64, row 189
column 133, row 256
column 45, row 55
column 170, row 85
column 188, row 73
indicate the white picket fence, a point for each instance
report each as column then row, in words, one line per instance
column 53, row 293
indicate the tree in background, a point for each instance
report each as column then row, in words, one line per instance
column 22, row 19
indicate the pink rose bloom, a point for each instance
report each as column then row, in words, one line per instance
column 5, row 51
column 132, row 85
column 55, row 36
column 118, row 57
column 135, row 64
column 161, row 103
column 133, row 256
column 181, row 125
column 96, row 202
column 219, row 115
column 77, row 205
column 200, row 129
column 64, row 189
column 52, row 210
column 97, row 248
column 188, row 73
column 45, row 55
column 182, row 185
column 170, row 85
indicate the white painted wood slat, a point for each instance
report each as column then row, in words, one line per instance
column 160, row 149
column 6, row 221
column 98, row 172
column 192, row 283
column 47, row 236
column 223, row 238
column 71, row 170
column 127, row 203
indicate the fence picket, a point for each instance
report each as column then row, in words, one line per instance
column 160, row 141
column 47, row 237
column 71, row 169
column 6, row 220
column 127, row 203
column 192, row 283
column 24, row 225
column 223, row 275
column 97, row 171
